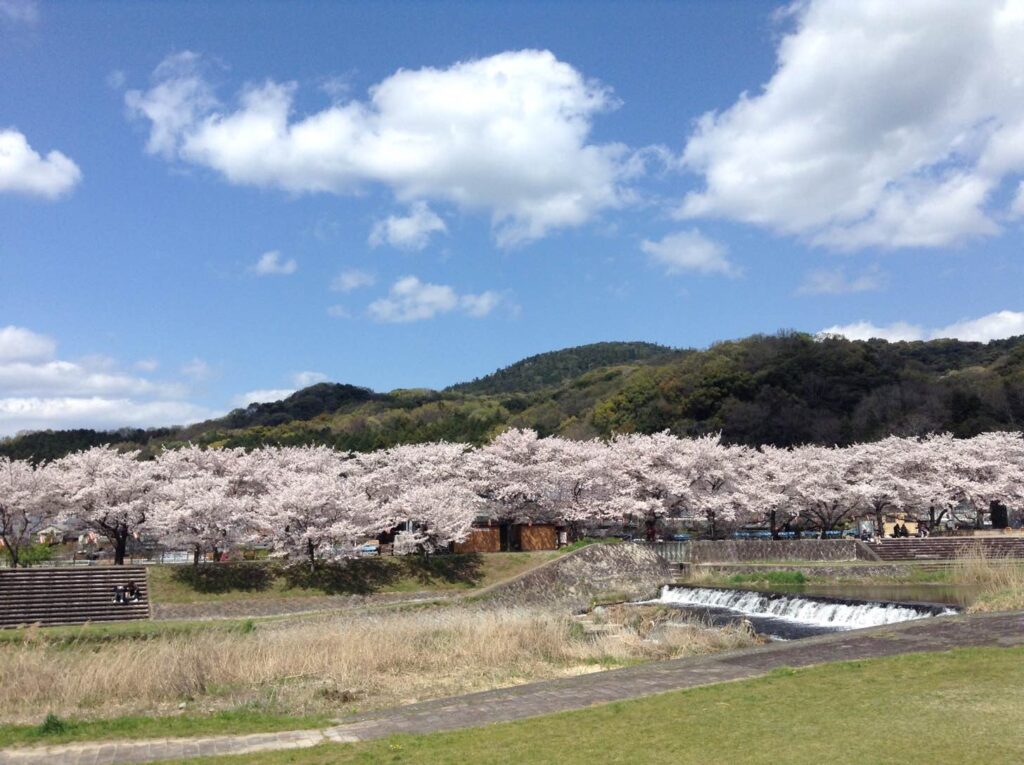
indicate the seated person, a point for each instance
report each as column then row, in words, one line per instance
column 119, row 594
column 132, row 592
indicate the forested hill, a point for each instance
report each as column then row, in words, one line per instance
column 556, row 367
column 784, row 389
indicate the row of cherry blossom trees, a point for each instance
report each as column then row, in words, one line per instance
column 316, row 503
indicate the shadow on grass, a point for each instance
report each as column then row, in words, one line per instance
column 360, row 576
column 452, row 569
column 226, row 577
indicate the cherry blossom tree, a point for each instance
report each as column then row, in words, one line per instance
column 427, row 488
column 204, row 499
column 824, row 486
column 766, row 486
column 28, row 502
column 311, row 507
column 109, row 491
column 647, row 475
column 514, row 476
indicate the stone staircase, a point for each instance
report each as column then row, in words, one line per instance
column 55, row 596
column 937, row 549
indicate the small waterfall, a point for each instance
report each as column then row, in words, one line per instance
column 834, row 613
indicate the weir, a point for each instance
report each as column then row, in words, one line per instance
column 819, row 614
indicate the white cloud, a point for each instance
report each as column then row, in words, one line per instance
column 147, row 365
column 175, row 103
column 993, row 326
column 305, row 379
column 33, row 413
column 38, row 390
column 507, row 134
column 884, row 124
column 480, row 305
column 865, row 330
column 22, row 11
column 412, row 300
column 197, row 369
column 690, row 251
column 24, row 171
column 74, row 378
column 20, row 344
column 262, row 396
column 836, row 282
column 338, row 311
column 353, row 279
column 411, row 232
column 271, row 264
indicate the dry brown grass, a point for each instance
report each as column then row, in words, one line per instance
column 999, row 581
column 330, row 664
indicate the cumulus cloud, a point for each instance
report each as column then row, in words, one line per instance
column 38, row 390
column 689, row 251
column 20, row 344
column 993, row 326
column 884, row 124
column 836, row 282
column 411, row 232
column 33, row 413
column 409, row 299
column 272, row 264
column 261, row 396
column 507, row 134
column 352, row 279
column 24, row 171
column 266, row 395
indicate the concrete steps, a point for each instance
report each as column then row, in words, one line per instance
column 60, row 596
column 945, row 548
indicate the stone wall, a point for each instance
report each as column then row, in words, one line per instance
column 748, row 550
column 838, row 572
column 574, row 580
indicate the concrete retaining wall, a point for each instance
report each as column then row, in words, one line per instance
column 573, row 581
column 750, row 550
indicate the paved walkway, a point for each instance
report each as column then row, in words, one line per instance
column 936, row 634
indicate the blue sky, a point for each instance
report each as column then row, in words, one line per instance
column 202, row 205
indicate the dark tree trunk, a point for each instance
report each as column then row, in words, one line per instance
column 120, row 547
column 773, row 524
column 195, row 556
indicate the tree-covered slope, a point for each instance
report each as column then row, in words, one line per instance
column 784, row 389
column 556, row 367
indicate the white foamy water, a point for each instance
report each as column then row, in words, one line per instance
column 820, row 613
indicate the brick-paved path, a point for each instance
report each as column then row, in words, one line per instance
column 937, row 634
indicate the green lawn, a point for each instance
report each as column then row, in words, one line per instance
column 57, row 731
column 213, row 582
column 959, row 707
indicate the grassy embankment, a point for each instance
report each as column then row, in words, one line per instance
column 952, row 707
column 999, row 583
column 362, row 576
column 316, row 666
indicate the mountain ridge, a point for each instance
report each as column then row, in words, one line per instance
column 782, row 389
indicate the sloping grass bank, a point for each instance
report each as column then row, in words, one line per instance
column 956, row 707
column 218, row 582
